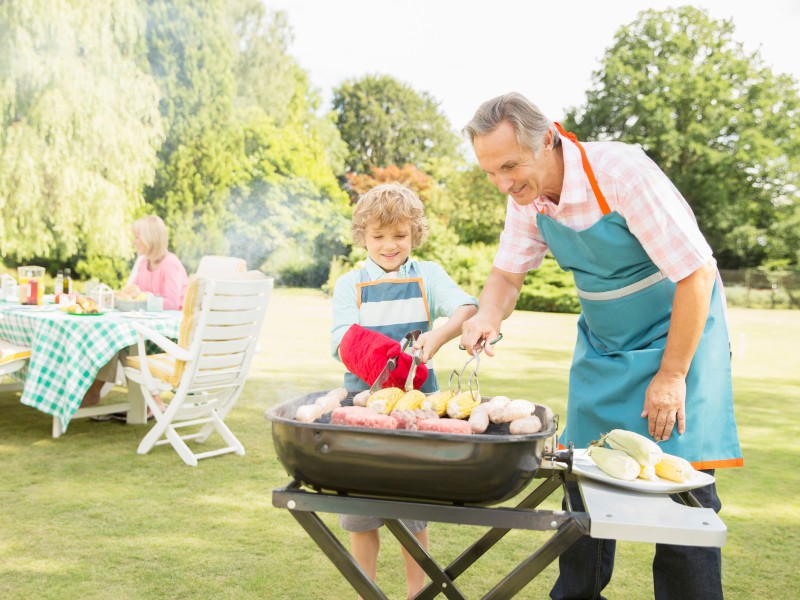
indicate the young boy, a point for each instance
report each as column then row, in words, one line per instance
column 391, row 296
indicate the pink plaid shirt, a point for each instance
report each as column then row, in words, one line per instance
column 633, row 185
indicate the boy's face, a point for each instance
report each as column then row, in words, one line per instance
column 390, row 245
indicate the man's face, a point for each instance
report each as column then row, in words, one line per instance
column 513, row 169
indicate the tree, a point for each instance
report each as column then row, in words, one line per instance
column 189, row 53
column 721, row 125
column 79, row 128
column 407, row 175
column 385, row 122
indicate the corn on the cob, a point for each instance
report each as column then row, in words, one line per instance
column 410, row 400
column 383, row 401
column 648, row 473
column 674, row 468
column 461, row 405
column 615, row 462
column 438, row 401
column 644, row 450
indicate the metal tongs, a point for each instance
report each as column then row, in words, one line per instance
column 391, row 364
column 476, row 350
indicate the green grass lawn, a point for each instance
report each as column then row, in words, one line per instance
column 85, row 517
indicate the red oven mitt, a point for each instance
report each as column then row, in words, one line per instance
column 365, row 352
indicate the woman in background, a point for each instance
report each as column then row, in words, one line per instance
column 157, row 271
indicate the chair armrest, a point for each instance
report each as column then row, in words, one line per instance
column 161, row 341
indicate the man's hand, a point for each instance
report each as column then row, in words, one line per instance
column 665, row 405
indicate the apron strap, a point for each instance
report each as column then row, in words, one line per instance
column 601, row 200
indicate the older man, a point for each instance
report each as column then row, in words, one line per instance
column 652, row 353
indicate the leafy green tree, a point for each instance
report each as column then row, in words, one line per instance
column 287, row 214
column 190, row 55
column 722, row 126
column 79, row 128
column 385, row 122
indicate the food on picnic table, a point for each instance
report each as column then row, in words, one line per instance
column 444, row 425
column 83, row 306
column 132, row 292
column 460, row 405
column 651, row 461
column 617, row 463
column 383, row 401
column 438, row 401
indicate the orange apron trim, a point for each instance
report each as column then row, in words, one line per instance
column 718, row 464
column 601, row 200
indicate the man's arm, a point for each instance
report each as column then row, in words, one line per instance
column 665, row 398
column 495, row 304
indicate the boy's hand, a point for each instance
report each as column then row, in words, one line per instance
column 429, row 343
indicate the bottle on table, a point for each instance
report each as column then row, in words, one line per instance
column 67, row 282
column 58, row 287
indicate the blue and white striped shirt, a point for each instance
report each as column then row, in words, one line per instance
column 443, row 294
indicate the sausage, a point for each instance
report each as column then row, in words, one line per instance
column 308, row 413
column 360, row 399
column 445, row 425
column 331, row 400
column 479, row 417
column 499, row 401
column 525, row 425
column 516, row 409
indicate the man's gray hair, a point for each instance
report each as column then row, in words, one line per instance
column 529, row 123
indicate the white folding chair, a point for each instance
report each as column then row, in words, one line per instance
column 220, row 267
column 12, row 358
column 207, row 368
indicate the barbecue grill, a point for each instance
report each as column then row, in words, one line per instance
column 454, row 478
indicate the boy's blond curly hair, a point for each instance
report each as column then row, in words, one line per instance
column 388, row 204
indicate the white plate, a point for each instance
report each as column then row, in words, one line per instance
column 584, row 466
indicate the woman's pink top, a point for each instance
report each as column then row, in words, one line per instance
column 169, row 281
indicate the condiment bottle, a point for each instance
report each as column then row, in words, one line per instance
column 58, row 288
column 67, row 282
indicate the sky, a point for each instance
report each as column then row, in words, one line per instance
column 463, row 52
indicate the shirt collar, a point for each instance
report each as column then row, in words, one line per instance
column 573, row 188
column 376, row 272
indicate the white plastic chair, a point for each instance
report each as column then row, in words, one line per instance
column 12, row 358
column 207, row 368
column 220, row 267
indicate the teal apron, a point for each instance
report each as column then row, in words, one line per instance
column 622, row 330
column 392, row 307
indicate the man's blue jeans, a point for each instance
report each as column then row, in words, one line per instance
column 679, row 572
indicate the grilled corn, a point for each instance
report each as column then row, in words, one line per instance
column 674, row 468
column 615, row 462
column 644, row 450
column 410, row 400
column 461, row 405
column 438, row 401
column 383, row 401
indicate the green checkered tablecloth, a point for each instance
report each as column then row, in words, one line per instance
column 68, row 350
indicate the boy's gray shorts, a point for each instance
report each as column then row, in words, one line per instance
column 359, row 523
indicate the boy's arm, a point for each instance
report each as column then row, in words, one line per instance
column 431, row 341
column 345, row 312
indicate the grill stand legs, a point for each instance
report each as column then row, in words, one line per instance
column 569, row 527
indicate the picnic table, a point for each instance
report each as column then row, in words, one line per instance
column 68, row 350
